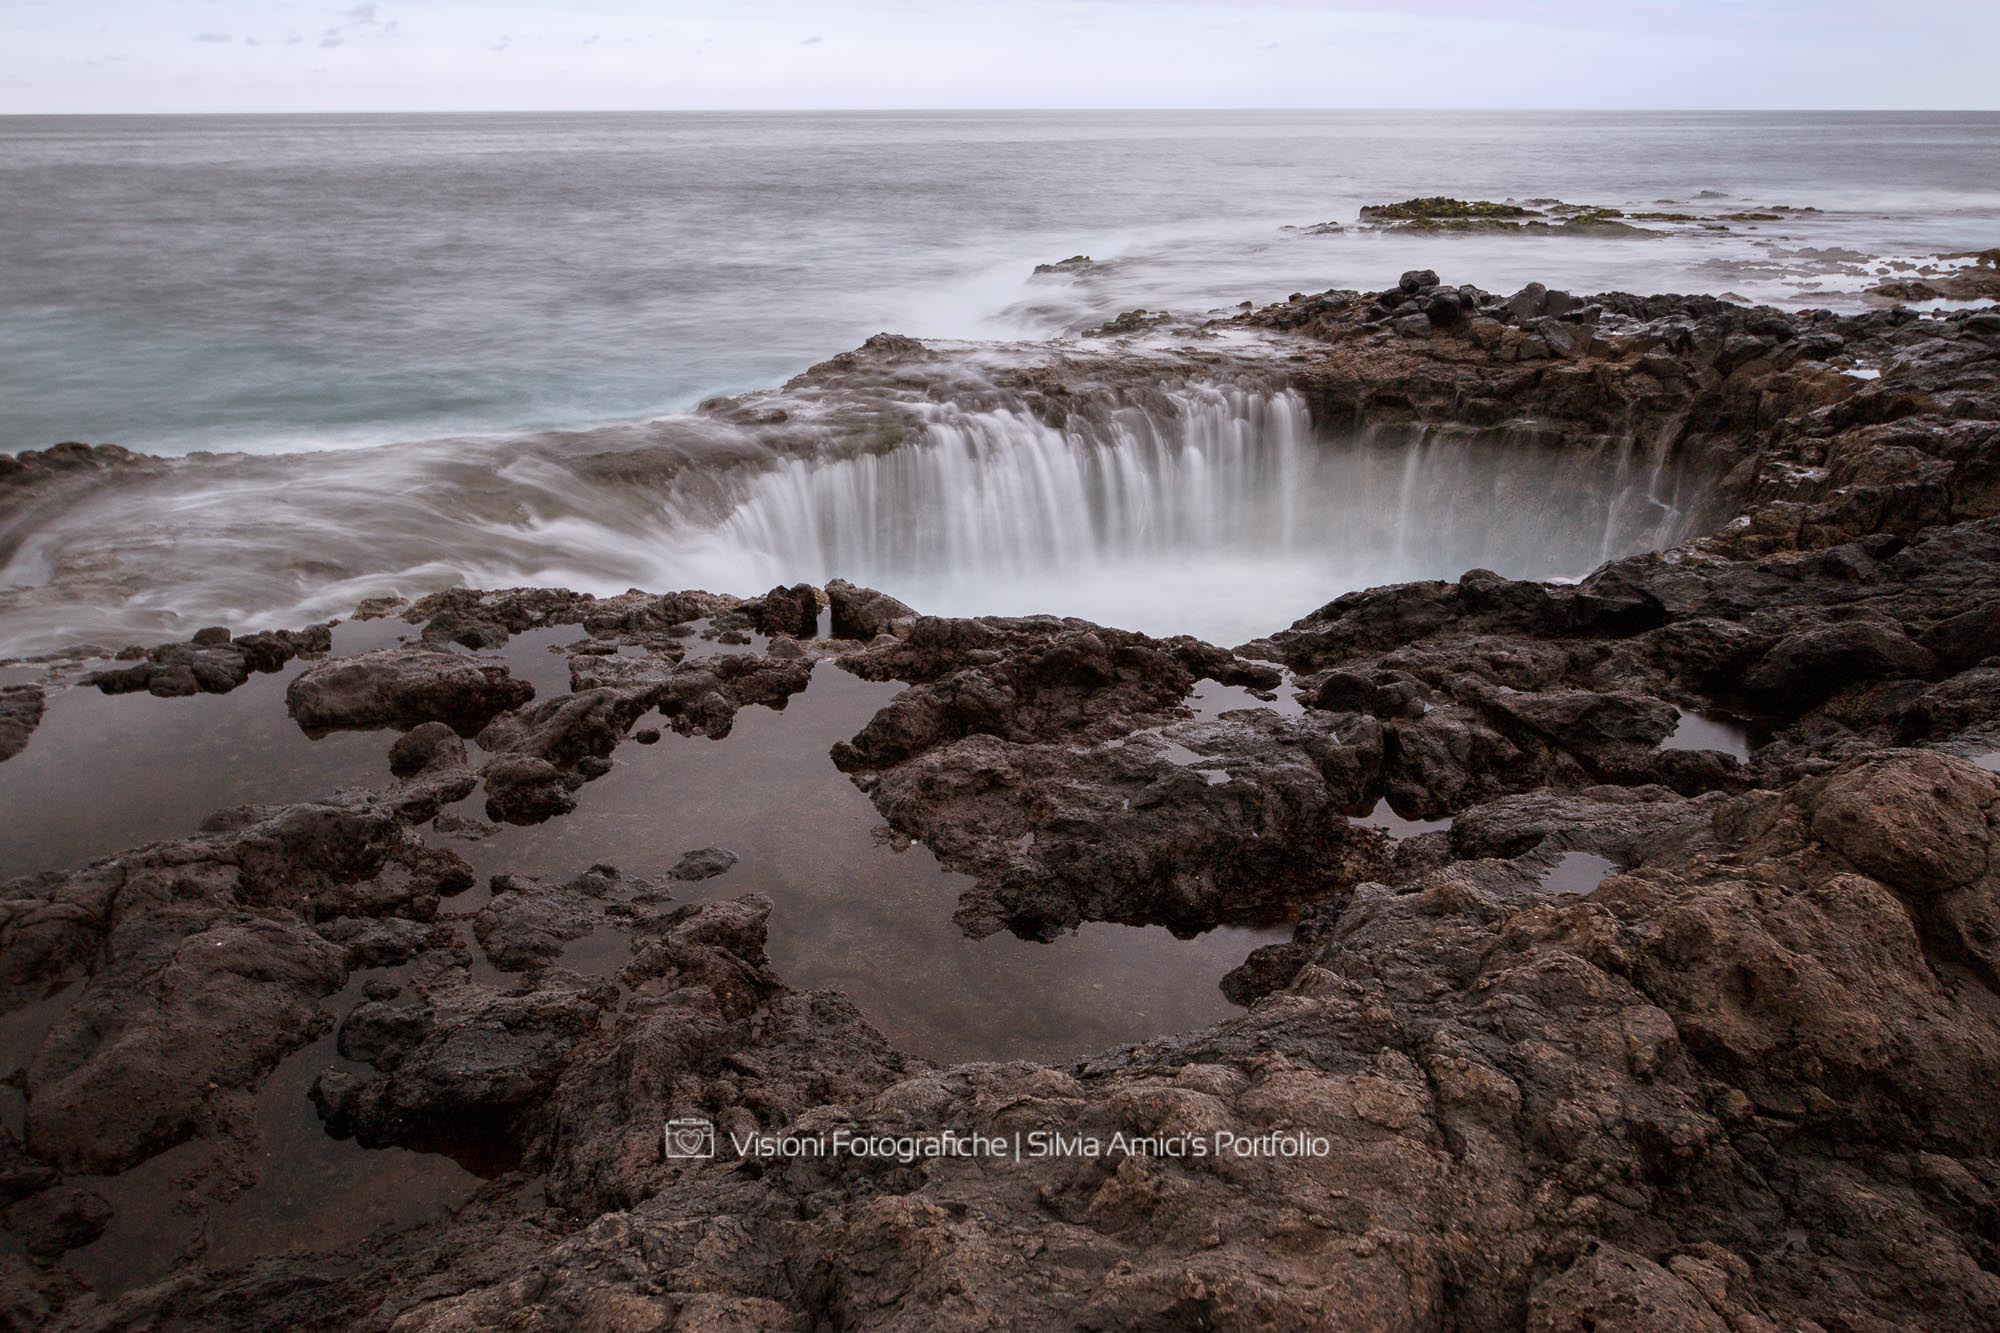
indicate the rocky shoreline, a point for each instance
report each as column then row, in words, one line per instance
column 1628, row 1033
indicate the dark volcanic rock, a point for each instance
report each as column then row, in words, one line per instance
column 404, row 687
column 863, row 613
column 793, row 611
column 1803, row 668
column 20, row 714
column 56, row 1220
column 1646, row 1038
column 703, row 863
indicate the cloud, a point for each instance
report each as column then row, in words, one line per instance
column 211, row 37
column 812, row 41
column 588, row 41
column 356, row 22
column 504, row 42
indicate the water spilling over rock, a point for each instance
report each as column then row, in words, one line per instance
column 1616, row 1022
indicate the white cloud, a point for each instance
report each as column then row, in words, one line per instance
column 957, row 53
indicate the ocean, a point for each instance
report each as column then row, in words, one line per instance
column 278, row 283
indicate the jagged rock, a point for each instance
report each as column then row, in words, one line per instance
column 210, row 1000
column 521, row 789
column 793, row 611
column 20, row 714
column 57, row 1220
column 427, row 746
column 1735, row 1071
column 404, row 687
column 702, row 863
column 863, row 613
column 526, row 925
column 1803, row 668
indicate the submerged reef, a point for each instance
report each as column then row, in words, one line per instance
column 1633, row 953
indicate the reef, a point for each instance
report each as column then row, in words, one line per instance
column 1440, row 214
column 1680, row 1007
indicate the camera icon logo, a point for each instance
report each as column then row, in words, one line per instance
column 689, row 1138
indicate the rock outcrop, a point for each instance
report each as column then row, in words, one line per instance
column 1631, row 1035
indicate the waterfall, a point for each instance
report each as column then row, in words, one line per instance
column 1216, row 509
column 1200, row 508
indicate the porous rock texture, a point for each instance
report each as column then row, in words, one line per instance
column 1740, row 1076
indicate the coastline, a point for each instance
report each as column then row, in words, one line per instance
column 1691, row 1036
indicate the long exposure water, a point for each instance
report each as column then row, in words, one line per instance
column 300, row 282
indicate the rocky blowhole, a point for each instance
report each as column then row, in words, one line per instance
column 1740, row 1075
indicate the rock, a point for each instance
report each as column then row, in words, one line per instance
column 521, row 789
column 458, row 1071
column 703, row 863
column 120, row 1078
column 1618, row 1292
column 212, row 662
column 1444, row 308
column 1915, row 821
column 1644, row 1038
column 1959, row 642
column 1531, row 302
column 1416, row 280
column 526, row 926
column 1803, row 668
column 404, row 687
column 863, row 613
column 57, row 1220
column 427, row 746
column 20, row 714
column 793, row 611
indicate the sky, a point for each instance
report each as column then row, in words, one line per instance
column 444, row 55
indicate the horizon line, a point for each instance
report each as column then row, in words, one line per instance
column 1028, row 110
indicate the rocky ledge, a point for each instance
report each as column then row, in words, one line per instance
column 1639, row 1029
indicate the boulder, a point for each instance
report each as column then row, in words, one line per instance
column 404, row 687
column 863, row 613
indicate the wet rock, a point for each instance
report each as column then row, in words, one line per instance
column 187, row 1005
column 793, row 611
column 469, row 630
column 1231, row 820
column 521, row 789
column 1803, row 668
column 57, row 1220
column 20, row 714
column 404, row 687
column 427, row 746
column 526, row 925
column 863, row 613
column 212, row 662
column 462, row 1067
column 380, row 941
column 703, row 863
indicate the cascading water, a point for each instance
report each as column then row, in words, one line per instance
column 1176, row 506
column 1198, row 509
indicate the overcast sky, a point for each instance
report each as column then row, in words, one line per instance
column 298, row 55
